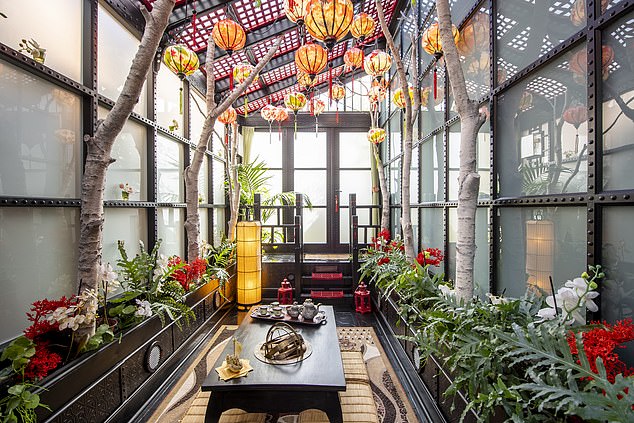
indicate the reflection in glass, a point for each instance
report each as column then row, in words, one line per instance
column 171, row 231
column 473, row 47
column 116, row 47
column 618, row 105
column 394, row 181
column 482, row 161
column 127, row 225
column 481, row 263
column 129, row 151
column 169, row 163
column 534, row 244
column 38, row 260
column 528, row 30
column 542, row 121
column 433, row 109
column 40, row 138
column 432, row 170
column 35, row 19
column 168, row 102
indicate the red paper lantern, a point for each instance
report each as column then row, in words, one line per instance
column 362, row 299
column 228, row 35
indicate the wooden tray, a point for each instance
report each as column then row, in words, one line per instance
column 288, row 319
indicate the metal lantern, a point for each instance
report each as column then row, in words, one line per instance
column 362, row 302
column 362, row 26
column 475, row 34
column 329, row 20
column 181, row 60
column 228, row 35
column 229, row 116
column 399, row 97
column 578, row 64
column 377, row 63
column 377, row 135
column 311, row 59
column 353, row 58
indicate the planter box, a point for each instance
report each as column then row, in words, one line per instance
column 112, row 384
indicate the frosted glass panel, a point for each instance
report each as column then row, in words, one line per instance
column 40, row 137
column 396, row 131
column 355, row 182
column 219, row 182
column 203, row 181
column 313, row 184
column 168, row 110
column 268, row 149
column 310, row 151
column 203, row 215
column 38, row 260
column 128, row 225
column 432, row 231
column 481, row 264
column 483, row 161
column 354, row 150
column 169, row 160
column 117, row 47
column 344, row 226
column 314, row 225
column 130, row 152
column 196, row 117
column 55, row 25
column 219, row 225
column 432, row 170
column 171, row 231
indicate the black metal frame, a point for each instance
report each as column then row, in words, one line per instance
column 595, row 200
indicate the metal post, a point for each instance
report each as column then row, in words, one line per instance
column 257, row 207
column 298, row 257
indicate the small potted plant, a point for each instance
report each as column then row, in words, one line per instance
column 33, row 48
column 126, row 190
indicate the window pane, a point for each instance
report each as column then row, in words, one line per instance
column 394, row 181
column 396, row 130
column 219, row 225
column 117, row 47
column 130, row 152
column 314, row 225
column 354, row 150
column 481, row 264
column 483, row 161
column 432, row 231
column 432, row 172
column 537, row 243
column 169, row 159
column 203, row 215
column 127, row 225
column 355, row 182
column 618, row 261
column 542, row 121
column 313, row 184
column 40, row 21
column 310, row 151
column 38, row 261
column 168, row 101
column 526, row 30
column 618, row 94
column 432, row 109
column 219, row 182
column 40, row 140
column 267, row 148
column 196, row 117
column 203, row 178
column 344, row 226
column 474, row 53
column 171, row 231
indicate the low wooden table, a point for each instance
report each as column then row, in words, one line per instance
column 311, row 383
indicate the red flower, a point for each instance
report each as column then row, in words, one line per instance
column 188, row 273
column 42, row 362
column 39, row 311
column 383, row 260
column 381, row 240
column 602, row 342
column 432, row 256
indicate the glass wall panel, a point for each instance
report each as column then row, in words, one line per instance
column 123, row 224
column 354, row 150
column 267, row 149
column 130, row 152
column 414, row 177
column 218, row 225
column 394, row 181
column 41, row 136
column 219, row 177
column 313, row 184
column 117, row 47
column 41, row 21
column 203, row 181
column 542, row 121
column 432, row 230
column 344, row 226
column 534, row 244
column 527, row 30
column 618, row 110
column 617, row 259
column 481, row 263
column 474, row 53
column 310, row 151
column 196, row 116
column 168, row 101
column 171, row 230
column 432, row 108
column 396, row 132
column 355, row 182
column 203, row 215
column 432, row 170
column 169, row 162
column 314, row 225
column 483, row 161
column 38, row 260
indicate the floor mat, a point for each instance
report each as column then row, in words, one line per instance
column 392, row 404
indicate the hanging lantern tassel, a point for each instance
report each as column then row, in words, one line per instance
column 295, row 132
column 270, row 132
column 337, row 114
column 180, row 100
column 330, row 84
column 231, row 81
column 246, row 108
column 437, row 55
column 316, row 127
column 226, row 134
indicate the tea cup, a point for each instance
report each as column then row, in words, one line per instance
column 263, row 310
column 276, row 311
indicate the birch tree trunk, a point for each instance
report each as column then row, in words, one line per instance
column 468, row 180
column 385, row 194
column 99, row 147
column 192, row 221
column 406, row 161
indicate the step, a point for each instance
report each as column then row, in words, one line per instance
column 334, row 276
column 326, row 294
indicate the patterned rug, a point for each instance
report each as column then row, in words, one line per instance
column 391, row 403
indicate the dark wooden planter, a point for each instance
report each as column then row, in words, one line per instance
column 113, row 383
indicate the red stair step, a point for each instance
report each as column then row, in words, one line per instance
column 326, row 294
column 327, row 276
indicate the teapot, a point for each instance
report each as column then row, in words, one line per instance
column 293, row 310
column 308, row 309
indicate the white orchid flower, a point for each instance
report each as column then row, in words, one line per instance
column 106, row 273
column 446, row 291
column 144, row 309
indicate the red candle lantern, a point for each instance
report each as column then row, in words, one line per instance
column 285, row 293
column 362, row 299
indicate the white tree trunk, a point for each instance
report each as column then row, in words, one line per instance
column 192, row 221
column 468, row 180
column 406, row 161
column 385, row 194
